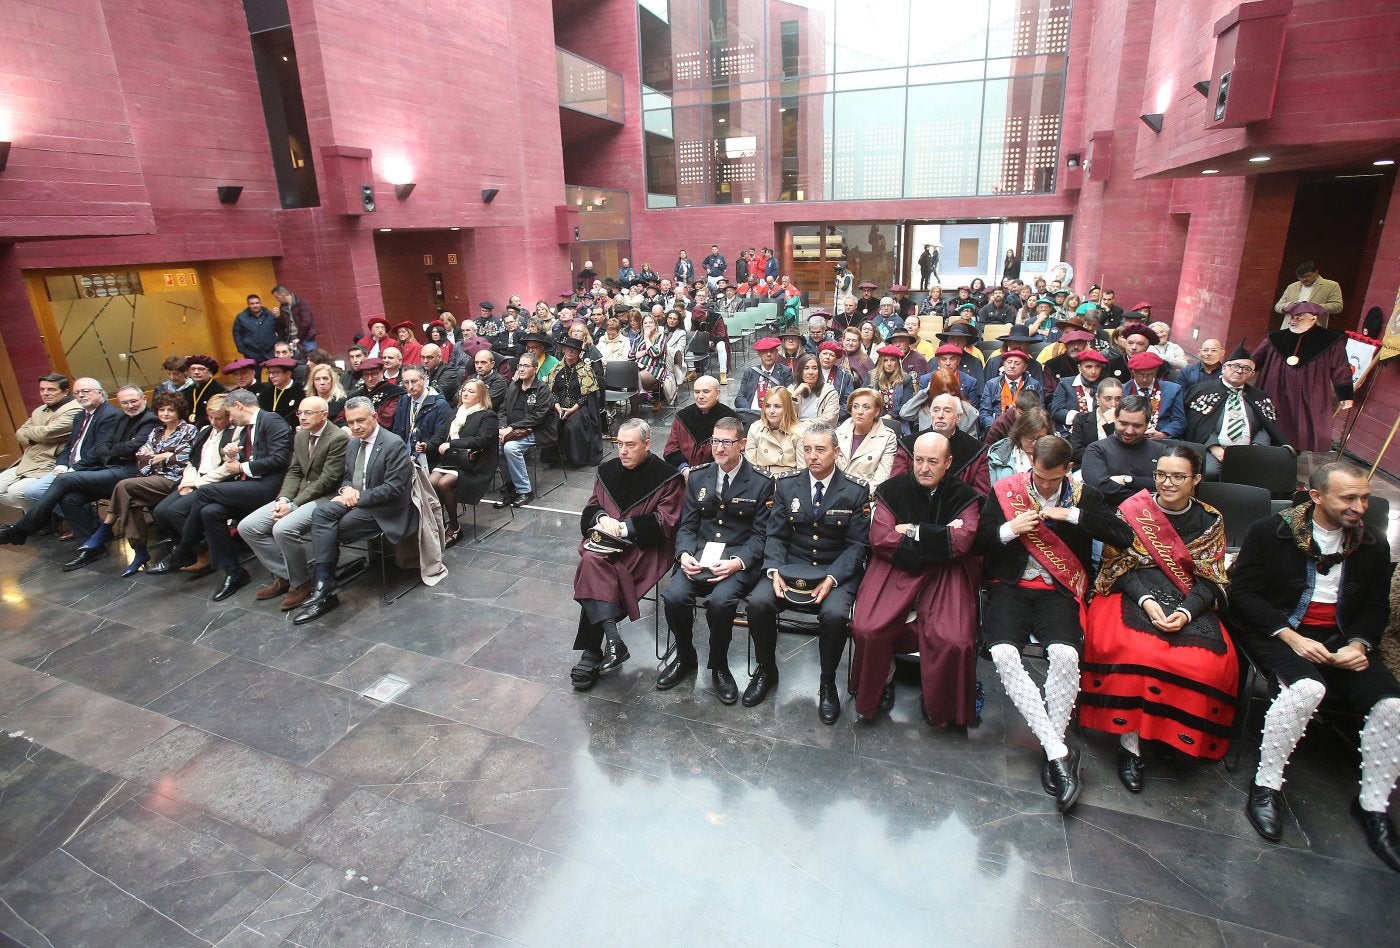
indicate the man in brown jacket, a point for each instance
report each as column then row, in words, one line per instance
column 40, row 438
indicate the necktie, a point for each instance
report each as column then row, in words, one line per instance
column 311, row 446
column 78, row 442
column 723, row 485
column 413, row 414
column 1234, row 417
column 358, row 480
column 247, row 446
column 817, row 500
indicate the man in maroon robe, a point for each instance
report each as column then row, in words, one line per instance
column 689, row 443
column 921, row 538
column 629, row 530
column 1299, row 370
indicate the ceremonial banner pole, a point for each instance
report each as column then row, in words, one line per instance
column 1381, row 454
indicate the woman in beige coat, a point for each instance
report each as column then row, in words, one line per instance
column 867, row 444
column 775, row 440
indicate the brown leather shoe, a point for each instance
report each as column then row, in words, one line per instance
column 200, row 565
column 296, row 595
column 272, row 590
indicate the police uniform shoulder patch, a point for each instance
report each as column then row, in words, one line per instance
column 786, row 474
column 859, row 480
column 701, row 467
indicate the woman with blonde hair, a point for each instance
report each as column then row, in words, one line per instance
column 469, row 455
column 867, row 444
column 775, row 439
column 323, row 381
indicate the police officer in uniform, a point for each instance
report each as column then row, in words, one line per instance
column 719, row 555
column 814, row 554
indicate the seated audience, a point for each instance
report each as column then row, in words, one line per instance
column 813, row 556
column 867, row 445
column 468, row 457
column 1158, row 665
column 1034, row 536
column 1122, row 464
column 1227, row 410
column 1309, row 600
column 921, row 536
column 774, row 441
column 689, row 441
column 1013, row 454
column 1167, row 417
column 160, row 462
column 40, row 439
column 760, row 379
column 375, row 496
column 629, row 527
column 815, row 400
column 719, row 552
column 1100, row 423
column 525, row 416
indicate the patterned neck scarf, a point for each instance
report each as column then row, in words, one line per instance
column 1300, row 521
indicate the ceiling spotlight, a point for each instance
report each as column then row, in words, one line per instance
column 1203, row 87
column 405, row 189
column 1260, row 159
column 1153, row 120
column 1210, row 171
column 1383, row 162
column 386, row 230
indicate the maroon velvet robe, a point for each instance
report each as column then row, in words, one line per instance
column 689, row 442
column 1303, row 393
column 935, row 577
column 649, row 500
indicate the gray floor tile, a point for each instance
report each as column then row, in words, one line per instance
column 92, row 728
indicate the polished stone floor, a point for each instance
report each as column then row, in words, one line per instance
column 179, row 772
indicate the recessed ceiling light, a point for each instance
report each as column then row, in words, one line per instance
column 721, row 121
column 1383, row 162
column 1260, row 159
column 784, row 110
column 455, row 228
column 385, row 230
column 1210, row 171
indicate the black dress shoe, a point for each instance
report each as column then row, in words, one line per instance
column 1130, row 769
column 1047, row 779
column 676, row 672
column 725, row 686
column 828, row 703
column 614, row 654
column 887, row 696
column 317, row 606
column 586, row 673
column 1065, row 771
column 521, row 500
column 13, row 535
column 233, row 582
column 86, row 555
column 763, row 681
column 507, row 500
column 1264, row 812
column 1380, row 834
column 176, row 560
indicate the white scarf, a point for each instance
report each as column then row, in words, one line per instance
column 463, row 412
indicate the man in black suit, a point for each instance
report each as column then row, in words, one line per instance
column 719, row 551
column 1309, row 603
column 496, row 384
column 101, row 451
column 444, row 377
column 819, row 523
column 375, row 497
column 422, row 417
column 508, row 344
column 1034, row 536
column 256, row 461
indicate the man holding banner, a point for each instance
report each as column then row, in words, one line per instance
column 1034, row 535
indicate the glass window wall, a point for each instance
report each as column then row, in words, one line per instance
column 753, row 101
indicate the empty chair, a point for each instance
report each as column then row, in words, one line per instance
column 1378, row 514
column 621, row 384
column 1199, row 449
column 1241, row 506
column 1261, row 465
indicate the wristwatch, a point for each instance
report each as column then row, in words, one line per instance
column 1366, row 646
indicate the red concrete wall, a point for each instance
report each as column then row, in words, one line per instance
column 1382, row 405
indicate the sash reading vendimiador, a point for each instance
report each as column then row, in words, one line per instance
column 1015, row 496
column 1160, row 539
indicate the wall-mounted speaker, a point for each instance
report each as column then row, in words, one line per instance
column 367, row 198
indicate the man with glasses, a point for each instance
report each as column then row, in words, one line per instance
column 40, row 438
column 526, row 417
column 1228, row 410
column 1211, row 353
column 279, row 532
column 101, row 451
column 719, row 554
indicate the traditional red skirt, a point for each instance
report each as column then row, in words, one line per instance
column 1133, row 680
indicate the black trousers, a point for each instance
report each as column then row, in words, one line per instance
column 833, row 624
column 1015, row 613
column 721, row 605
column 74, row 491
column 1359, row 689
column 209, row 509
column 334, row 523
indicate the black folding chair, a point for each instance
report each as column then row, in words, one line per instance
column 1242, row 505
column 621, row 384
column 1261, row 465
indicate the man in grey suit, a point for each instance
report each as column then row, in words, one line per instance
column 279, row 532
column 375, row 497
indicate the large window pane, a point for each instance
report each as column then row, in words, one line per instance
column 871, row 34
column 867, row 145
column 949, row 32
column 941, row 140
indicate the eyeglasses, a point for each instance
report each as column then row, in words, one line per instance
column 1239, row 367
column 723, row 442
column 86, row 391
column 1175, row 478
column 305, row 412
